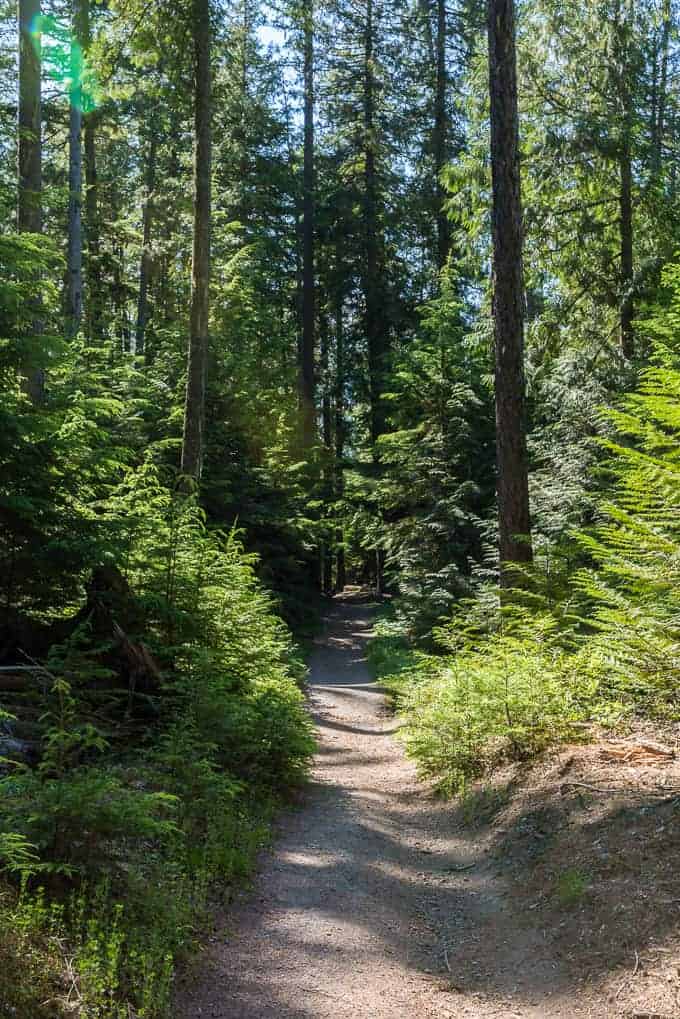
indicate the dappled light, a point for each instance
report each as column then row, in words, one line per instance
column 339, row 509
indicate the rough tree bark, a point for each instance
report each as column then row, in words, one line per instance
column 29, row 210
column 508, row 298
column 441, row 137
column 92, row 226
column 29, row 149
column 194, row 411
column 308, row 345
column 621, row 72
column 627, row 311
column 93, row 306
column 340, row 568
column 146, row 259
column 328, row 462
column 375, row 312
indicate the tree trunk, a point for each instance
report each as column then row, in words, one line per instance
column 146, row 259
column 194, row 412
column 93, row 304
column 92, row 228
column 375, row 312
column 441, row 138
column 308, row 395
column 328, row 463
column 29, row 150
column 377, row 330
column 340, row 569
column 623, row 86
column 659, row 120
column 74, row 294
column 508, row 298
column 29, row 211
column 119, row 294
column 626, row 235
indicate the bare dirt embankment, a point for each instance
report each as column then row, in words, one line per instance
column 588, row 842
column 553, row 892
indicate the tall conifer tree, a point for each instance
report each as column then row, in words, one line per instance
column 74, row 288
column 193, row 442
column 508, row 291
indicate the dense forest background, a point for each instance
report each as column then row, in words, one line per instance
column 247, row 323
column 350, row 252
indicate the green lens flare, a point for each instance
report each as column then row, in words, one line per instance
column 65, row 62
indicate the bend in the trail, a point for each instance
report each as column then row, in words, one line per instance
column 366, row 908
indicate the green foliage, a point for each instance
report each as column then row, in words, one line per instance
column 508, row 698
column 577, row 643
column 480, row 806
column 158, row 712
column 635, row 549
column 83, row 821
column 389, row 653
column 571, row 886
column 17, row 854
column 437, row 463
column 31, row 957
column 167, row 705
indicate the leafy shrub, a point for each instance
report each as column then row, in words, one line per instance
column 389, row 654
column 17, row 854
column 425, row 510
column 31, row 959
column 143, row 799
column 84, row 820
column 598, row 643
column 508, row 699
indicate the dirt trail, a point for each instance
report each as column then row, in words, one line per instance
column 373, row 906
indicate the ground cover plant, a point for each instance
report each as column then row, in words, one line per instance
column 553, row 660
column 294, row 295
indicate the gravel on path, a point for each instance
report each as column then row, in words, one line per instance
column 373, row 904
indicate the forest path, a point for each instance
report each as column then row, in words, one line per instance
column 373, row 905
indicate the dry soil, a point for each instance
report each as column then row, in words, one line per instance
column 376, row 902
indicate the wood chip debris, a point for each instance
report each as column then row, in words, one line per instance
column 637, row 753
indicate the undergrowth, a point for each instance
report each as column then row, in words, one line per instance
column 148, row 799
column 593, row 642
column 108, row 948
column 506, row 697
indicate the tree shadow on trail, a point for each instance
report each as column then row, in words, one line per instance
column 358, row 730
column 378, row 896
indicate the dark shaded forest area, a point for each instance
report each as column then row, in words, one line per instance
column 295, row 296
